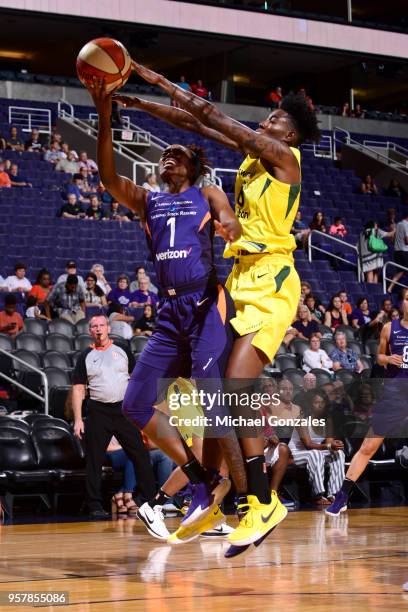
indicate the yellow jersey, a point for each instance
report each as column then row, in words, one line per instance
column 266, row 209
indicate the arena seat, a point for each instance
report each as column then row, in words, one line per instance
column 137, row 343
column 295, row 375
column 30, row 342
column 299, row 346
column 348, row 331
column 82, row 327
column 6, row 342
column 346, row 376
column 58, row 342
column 57, row 377
column 35, row 326
column 82, row 342
column 283, row 362
column 56, row 447
column 322, row 376
column 328, row 345
column 56, row 359
column 61, row 326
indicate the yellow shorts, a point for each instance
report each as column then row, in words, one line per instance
column 187, row 410
column 266, row 293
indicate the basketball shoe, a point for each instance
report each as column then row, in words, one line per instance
column 339, row 504
column 258, row 521
column 190, row 532
column 207, row 496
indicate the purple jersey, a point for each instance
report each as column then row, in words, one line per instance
column 180, row 232
column 398, row 346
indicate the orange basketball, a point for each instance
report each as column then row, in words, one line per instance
column 104, row 57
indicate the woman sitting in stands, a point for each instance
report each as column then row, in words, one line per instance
column 317, row 310
column 40, row 290
column 368, row 186
column 121, row 293
column 120, row 322
column 367, row 322
column 318, row 222
column 335, row 314
column 146, row 324
column 94, row 295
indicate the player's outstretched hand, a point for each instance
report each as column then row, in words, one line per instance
column 226, row 230
column 102, row 98
column 148, row 75
column 127, row 101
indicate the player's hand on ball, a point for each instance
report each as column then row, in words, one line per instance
column 102, row 99
column 148, row 75
column 127, row 101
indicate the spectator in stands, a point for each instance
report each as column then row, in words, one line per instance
column 52, row 154
column 183, row 83
column 71, row 210
column 68, row 299
column 200, row 90
column 143, row 296
column 358, row 112
column 140, row 272
column 344, row 357
column 372, row 261
column 300, row 230
column 309, row 382
column 71, row 268
column 94, row 296
column 4, row 177
column 391, row 220
column 151, row 183
column 119, row 321
column 76, row 187
column 315, row 447
column 88, row 181
column 3, row 143
column 34, row 143
column 367, row 322
column 395, row 314
column 105, row 387
column 335, row 314
column 95, row 211
column 85, row 162
column 274, row 98
column 344, row 302
column 122, row 501
column 345, row 111
column 99, row 270
column 32, row 309
column 316, row 311
column 400, row 250
column 285, row 408
column 13, row 141
column 146, row 324
column 337, row 228
column 115, row 213
column 69, row 165
column 395, row 189
column 16, row 179
column 318, row 222
column 103, row 194
column 316, row 357
column 305, row 289
column 11, row 322
column 18, row 282
column 121, row 293
column 368, row 186
column 386, row 308
column 41, row 289
column 3, row 287
column 363, row 401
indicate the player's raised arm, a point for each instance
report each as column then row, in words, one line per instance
column 120, row 187
column 178, row 117
column 226, row 223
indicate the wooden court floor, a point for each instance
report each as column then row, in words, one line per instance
column 357, row 561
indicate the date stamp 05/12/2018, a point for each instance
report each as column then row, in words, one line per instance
column 33, row 598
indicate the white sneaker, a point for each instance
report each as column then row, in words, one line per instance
column 218, row 532
column 154, row 521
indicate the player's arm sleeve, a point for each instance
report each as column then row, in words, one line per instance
column 80, row 375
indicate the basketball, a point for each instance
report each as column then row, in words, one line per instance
column 104, row 57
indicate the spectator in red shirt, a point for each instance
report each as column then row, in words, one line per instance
column 275, row 97
column 4, row 177
column 11, row 322
column 199, row 89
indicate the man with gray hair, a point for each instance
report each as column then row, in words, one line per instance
column 344, row 357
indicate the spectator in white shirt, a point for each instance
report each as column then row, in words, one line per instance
column 151, row 183
column 71, row 268
column 18, row 281
column 99, row 270
column 315, row 357
column 3, row 286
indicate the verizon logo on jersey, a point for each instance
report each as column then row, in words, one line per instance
column 181, row 254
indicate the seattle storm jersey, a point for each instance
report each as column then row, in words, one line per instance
column 398, row 346
column 180, row 232
column 266, row 209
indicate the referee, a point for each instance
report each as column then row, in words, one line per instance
column 101, row 375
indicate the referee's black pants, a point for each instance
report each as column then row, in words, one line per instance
column 104, row 421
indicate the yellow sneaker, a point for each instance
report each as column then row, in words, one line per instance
column 191, row 532
column 258, row 521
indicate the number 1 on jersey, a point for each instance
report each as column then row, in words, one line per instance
column 172, row 223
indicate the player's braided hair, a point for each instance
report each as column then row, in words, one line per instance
column 200, row 161
column 303, row 117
